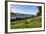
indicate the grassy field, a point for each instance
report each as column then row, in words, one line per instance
column 27, row 23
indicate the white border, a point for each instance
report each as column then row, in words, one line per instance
column 27, row 29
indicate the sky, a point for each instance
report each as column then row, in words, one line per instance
column 24, row 9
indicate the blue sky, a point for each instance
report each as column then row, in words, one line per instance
column 24, row 9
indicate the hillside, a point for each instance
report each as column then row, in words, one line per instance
column 27, row 23
column 19, row 14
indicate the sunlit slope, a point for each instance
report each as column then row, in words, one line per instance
column 27, row 23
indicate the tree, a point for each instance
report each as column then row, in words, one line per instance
column 40, row 11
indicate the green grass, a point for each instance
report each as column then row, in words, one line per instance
column 27, row 23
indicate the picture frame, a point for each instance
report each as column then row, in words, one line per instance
column 7, row 17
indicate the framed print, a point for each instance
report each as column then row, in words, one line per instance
column 23, row 16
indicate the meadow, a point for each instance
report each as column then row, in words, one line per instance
column 27, row 23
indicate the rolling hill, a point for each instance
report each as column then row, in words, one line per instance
column 19, row 14
column 27, row 23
